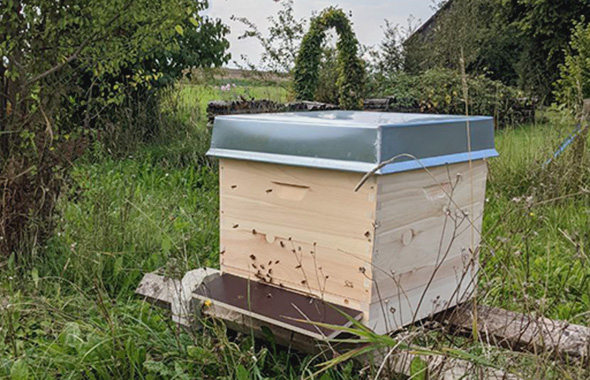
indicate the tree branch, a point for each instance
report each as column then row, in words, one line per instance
column 76, row 53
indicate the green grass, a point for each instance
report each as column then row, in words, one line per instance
column 536, row 226
column 70, row 312
column 189, row 94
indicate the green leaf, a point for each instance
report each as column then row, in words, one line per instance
column 118, row 266
column 35, row 276
column 242, row 373
column 268, row 335
column 179, row 30
column 193, row 21
column 418, row 369
column 166, row 244
column 19, row 370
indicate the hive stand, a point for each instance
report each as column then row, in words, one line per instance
column 515, row 331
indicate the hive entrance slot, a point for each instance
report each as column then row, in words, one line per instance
column 291, row 191
column 276, row 306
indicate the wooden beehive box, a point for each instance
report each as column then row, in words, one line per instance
column 400, row 248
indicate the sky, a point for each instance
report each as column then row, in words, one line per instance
column 367, row 16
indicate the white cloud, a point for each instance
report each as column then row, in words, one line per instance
column 367, row 16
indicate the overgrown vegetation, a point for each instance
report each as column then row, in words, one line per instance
column 350, row 66
column 115, row 141
column 440, row 91
column 574, row 83
column 77, row 72
column 72, row 312
column 520, row 43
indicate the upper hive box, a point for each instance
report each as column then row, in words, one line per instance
column 400, row 248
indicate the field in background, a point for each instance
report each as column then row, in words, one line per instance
column 72, row 313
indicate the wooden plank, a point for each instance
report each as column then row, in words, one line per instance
column 445, row 368
column 518, row 331
column 161, row 291
column 439, row 367
column 309, row 223
column 399, row 362
column 276, row 305
column 246, row 324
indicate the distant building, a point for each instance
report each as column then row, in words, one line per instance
column 426, row 30
column 418, row 54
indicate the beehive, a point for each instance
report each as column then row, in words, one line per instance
column 401, row 247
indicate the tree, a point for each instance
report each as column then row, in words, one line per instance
column 468, row 28
column 281, row 44
column 573, row 86
column 65, row 65
column 350, row 66
column 545, row 27
column 519, row 42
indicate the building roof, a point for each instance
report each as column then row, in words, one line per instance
column 426, row 27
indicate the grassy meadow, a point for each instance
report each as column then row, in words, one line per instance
column 70, row 311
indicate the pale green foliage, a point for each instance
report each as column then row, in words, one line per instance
column 574, row 83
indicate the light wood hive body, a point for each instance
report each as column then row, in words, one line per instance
column 401, row 248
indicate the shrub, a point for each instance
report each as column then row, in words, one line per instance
column 327, row 90
column 350, row 67
column 574, row 83
column 68, row 70
column 440, row 91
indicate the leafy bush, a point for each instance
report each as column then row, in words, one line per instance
column 350, row 67
column 574, row 83
column 68, row 70
column 327, row 90
column 440, row 91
